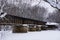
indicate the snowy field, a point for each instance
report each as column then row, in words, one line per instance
column 42, row 35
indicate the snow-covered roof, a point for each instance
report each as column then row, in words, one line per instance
column 32, row 9
column 51, row 23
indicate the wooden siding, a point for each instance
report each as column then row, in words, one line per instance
column 19, row 20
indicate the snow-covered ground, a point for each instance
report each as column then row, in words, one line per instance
column 42, row 35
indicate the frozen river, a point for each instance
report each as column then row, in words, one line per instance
column 42, row 35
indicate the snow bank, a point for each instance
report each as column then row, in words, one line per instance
column 42, row 35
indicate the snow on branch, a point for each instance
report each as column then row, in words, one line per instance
column 2, row 14
column 54, row 3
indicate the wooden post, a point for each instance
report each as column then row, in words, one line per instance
column 32, row 28
column 38, row 28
